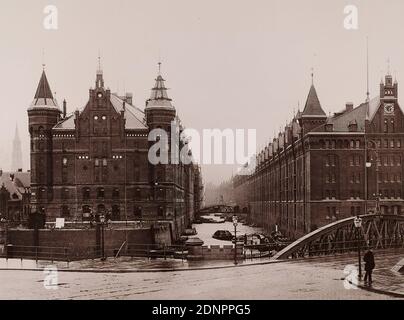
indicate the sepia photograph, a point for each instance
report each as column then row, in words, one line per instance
column 201, row 156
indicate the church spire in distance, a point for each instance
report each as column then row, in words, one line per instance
column 16, row 156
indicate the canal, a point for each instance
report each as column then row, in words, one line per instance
column 206, row 230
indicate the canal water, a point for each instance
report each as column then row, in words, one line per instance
column 206, row 230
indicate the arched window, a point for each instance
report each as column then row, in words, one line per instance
column 160, row 211
column 86, row 193
column 115, row 193
column 100, row 193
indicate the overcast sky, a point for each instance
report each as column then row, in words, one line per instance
column 229, row 64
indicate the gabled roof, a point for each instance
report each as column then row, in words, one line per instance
column 134, row 116
column 357, row 115
column 313, row 106
column 43, row 96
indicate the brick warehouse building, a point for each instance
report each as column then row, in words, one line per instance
column 321, row 169
column 94, row 162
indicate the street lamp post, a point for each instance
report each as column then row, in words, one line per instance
column 358, row 225
column 368, row 165
column 235, row 219
column 102, row 222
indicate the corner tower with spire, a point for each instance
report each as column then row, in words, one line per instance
column 43, row 115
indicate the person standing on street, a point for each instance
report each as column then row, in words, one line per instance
column 369, row 260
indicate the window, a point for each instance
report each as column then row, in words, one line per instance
column 64, row 161
column 138, row 194
column 97, row 162
column 358, row 144
column 398, row 143
column 391, row 143
column 385, row 143
column 65, row 193
column 104, row 162
column 352, row 144
column 115, row 212
column 115, row 193
column 100, row 193
column 86, row 193
column 137, row 211
column 65, row 211
column 385, row 127
column 104, row 117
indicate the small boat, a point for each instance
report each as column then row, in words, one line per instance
column 190, row 232
column 223, row 235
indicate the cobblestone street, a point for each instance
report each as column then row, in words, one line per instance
column 309, row 279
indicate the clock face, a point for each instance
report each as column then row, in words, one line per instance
column 99, row 95
column 389, row 108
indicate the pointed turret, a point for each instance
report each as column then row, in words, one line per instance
column 313, row 107
column 159, row 97
column 43, row 95
column 159, row 111
column 313, row 114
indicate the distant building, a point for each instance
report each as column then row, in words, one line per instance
column 14, row 196
column 95, row 161
column 16, row 156
column 320, row 169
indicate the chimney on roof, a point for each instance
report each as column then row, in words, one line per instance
column 64, row 108
column 19, row 170
column 12, row 176
column 129, row 97
column 348, row 106
column 1, row 172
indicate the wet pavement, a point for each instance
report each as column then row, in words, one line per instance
column 316, row 278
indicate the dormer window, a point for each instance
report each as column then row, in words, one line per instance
column 99, row 95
